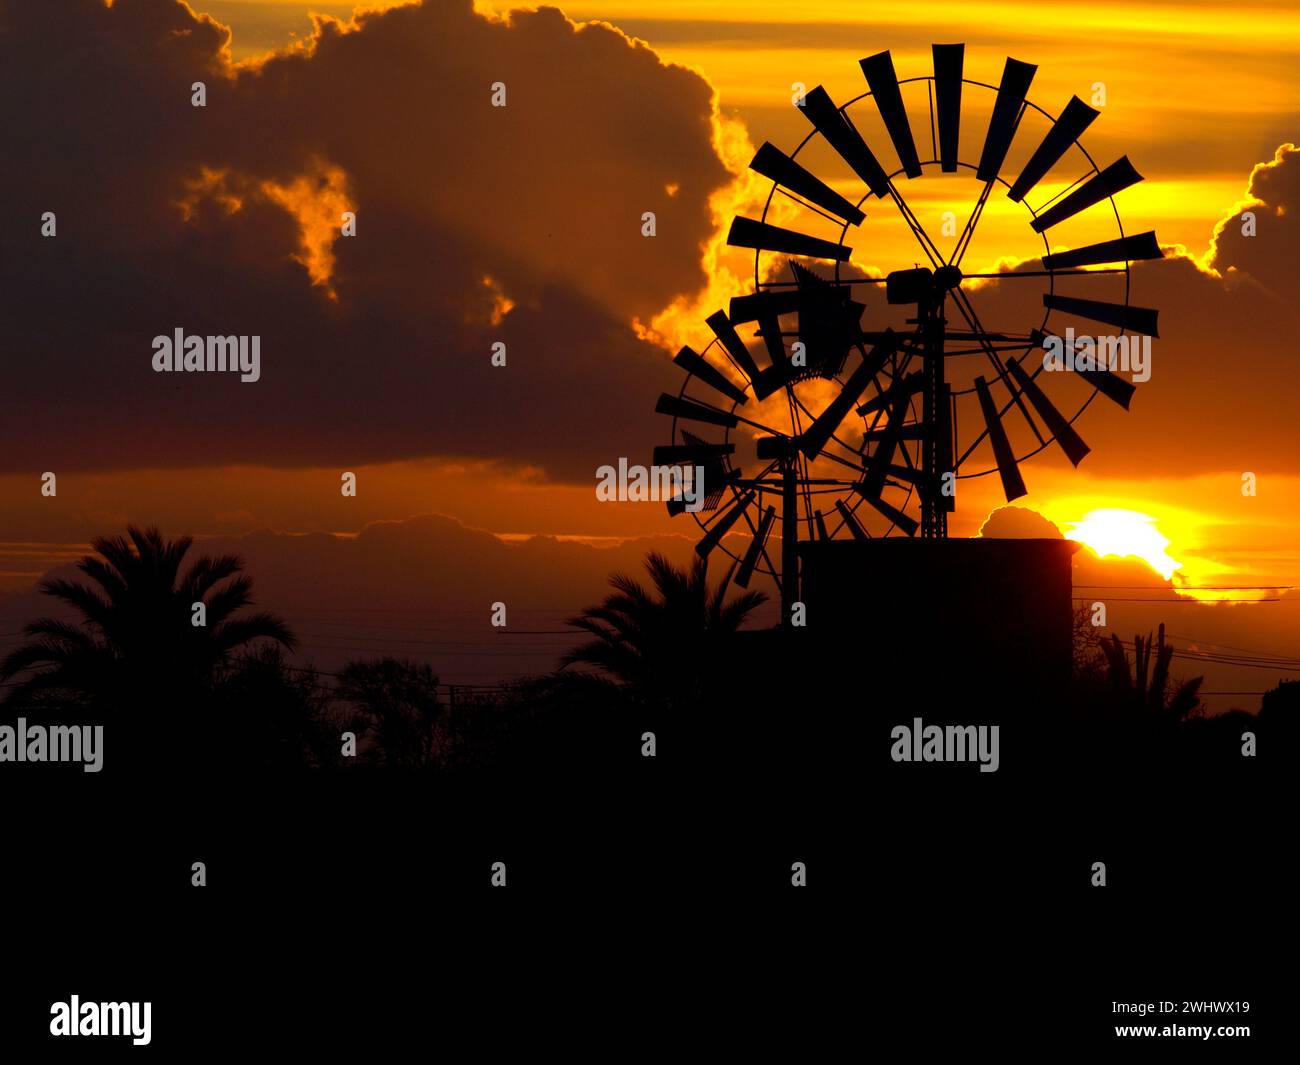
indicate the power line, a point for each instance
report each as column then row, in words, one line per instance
column 1211, row 643
column 450, row 654
column 1198, row 587
column 367, row 624
column 1182, row 601
column 440, row 684
column 1285, row 665
column 446, row 613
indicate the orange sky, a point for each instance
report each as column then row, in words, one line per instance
column 1193, row 132
column 1197, row 94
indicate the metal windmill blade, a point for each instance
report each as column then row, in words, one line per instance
column 830, row 324
column 945, row 399
column 716, row 478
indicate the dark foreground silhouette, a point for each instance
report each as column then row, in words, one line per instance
column 674, row 749
column 670, row 658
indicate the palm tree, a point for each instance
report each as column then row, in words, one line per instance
column 136, row 647
column 396, row 703
column 665, row 646
column 1167, row 699
column 299, row 724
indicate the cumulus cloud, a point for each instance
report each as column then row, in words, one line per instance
column 1222, row 395
column 1019, row 523
column 475, row 224
column 1269, row 255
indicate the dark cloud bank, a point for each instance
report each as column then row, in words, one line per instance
column 392, row 119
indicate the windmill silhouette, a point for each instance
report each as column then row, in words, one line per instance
column 939, row 397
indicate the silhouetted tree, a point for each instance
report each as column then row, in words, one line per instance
column 295, row 720
column 403, row 718
column 136, row 657
column 1090, row 660
column 1284, row 699
column 560, row 723
column 1150, row 687
column 664, row 644
column 1279, row 715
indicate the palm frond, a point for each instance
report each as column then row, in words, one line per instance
column 85, row 599
column 207, row 572
column 226, row 601
column 237, row 632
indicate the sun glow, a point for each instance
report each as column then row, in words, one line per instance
column 1127, row 534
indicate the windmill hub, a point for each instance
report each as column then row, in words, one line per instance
column 947, row 278
column 921, row 285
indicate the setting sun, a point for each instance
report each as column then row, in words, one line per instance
column 1126, row 533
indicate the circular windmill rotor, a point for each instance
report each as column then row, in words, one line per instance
column 853, row 430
